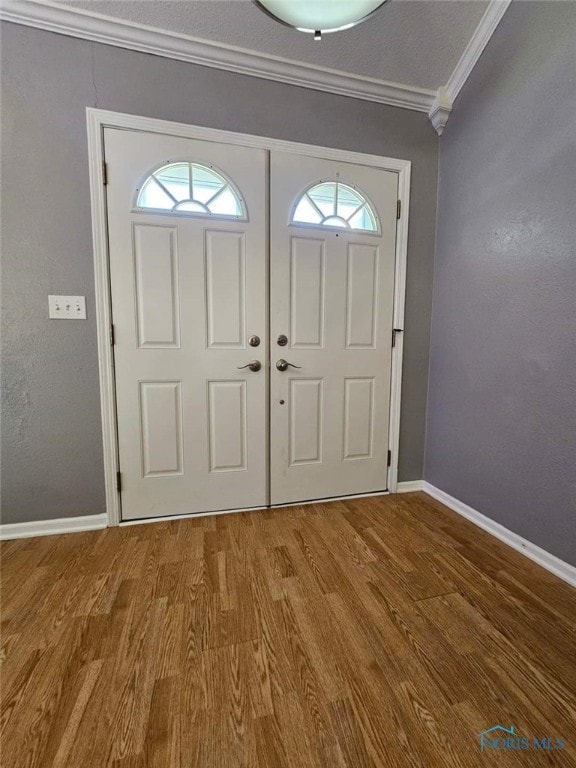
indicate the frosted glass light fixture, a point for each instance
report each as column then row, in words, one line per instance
column 319, row 16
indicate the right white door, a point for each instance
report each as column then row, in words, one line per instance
column 332, row 253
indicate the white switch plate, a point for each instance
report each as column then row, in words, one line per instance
column 67, row 307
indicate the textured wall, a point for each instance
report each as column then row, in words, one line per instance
column 501, row 433
column 52, row 445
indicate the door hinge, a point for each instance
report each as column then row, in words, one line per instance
column 394, row 332
column 104, row 173
column 119, row 481
column 398, row 208
column 389, row 458
column 112, row 335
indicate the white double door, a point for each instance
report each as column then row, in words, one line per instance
column 198, row 295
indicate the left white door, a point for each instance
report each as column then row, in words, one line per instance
column 187, row 244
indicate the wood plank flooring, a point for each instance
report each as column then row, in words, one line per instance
column 374, row 632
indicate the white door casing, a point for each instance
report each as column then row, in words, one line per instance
column 332, row 295
column 98, row 121
column 187, row 292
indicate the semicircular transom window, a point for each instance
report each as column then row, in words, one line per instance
column 334, row 204
column 191, row 189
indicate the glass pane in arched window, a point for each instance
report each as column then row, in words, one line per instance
column 334, row 204
column 191, row 189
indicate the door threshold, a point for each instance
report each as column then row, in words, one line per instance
column 190, row 515
column 329, row 498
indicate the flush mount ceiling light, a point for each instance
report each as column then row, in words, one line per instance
column 320, row 16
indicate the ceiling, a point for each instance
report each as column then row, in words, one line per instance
column 413, row 42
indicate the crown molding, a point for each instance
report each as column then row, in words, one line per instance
column 440, row 110
column 95, row 27
column 137, row 37
column 475, row 48
column 446, row 95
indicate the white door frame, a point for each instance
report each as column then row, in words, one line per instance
column 97, row 120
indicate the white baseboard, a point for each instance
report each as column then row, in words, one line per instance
column 551, row 563
column 51, row 527
column 410, row 486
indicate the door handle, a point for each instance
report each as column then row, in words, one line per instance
column 282, row 365
column 254, row 365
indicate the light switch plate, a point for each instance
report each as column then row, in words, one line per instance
column 67, row 307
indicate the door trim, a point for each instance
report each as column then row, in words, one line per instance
column 97, row 120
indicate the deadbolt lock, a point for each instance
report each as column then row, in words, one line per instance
column 282, row 340
column 254, row 341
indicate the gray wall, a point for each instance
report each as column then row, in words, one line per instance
column 501, row 430
column 52, row 445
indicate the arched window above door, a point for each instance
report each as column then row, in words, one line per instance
column 334, row 204
column 184, row 188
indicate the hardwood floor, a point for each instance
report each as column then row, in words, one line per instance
column 376, row 632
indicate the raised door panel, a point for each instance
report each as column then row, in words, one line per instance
column 225, row 289
column 306, row 421
column 156, row 285
column 362, row 279
column 307, row 266
column 161, row 428
column 227, row 425
column 358, row 418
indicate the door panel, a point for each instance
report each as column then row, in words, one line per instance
column 306, row 411
column 157, row 289
column 331, row 294
column 227, row 419
column 307, row 292
column 358, row 418
column 361, row 282
column 187, row 293
column 225, row 288
column 161, row 427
